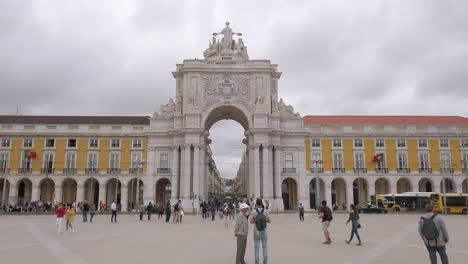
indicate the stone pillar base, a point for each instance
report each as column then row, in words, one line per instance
column 276, row 205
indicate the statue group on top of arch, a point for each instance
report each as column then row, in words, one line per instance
column 227, row 46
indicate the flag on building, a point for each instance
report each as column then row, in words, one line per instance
column 27, row 154
column 378, row 157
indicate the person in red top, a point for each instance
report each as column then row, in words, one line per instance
column 60, row 212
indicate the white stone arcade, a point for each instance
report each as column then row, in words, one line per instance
column 225, row 85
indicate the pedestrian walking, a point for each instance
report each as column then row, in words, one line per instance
column 260, row 217
column 301, row 212
column 114, row 212
column 355, row 224
column 182, row 213
column 204, row 209
column 84, row 211
column 212, row 210
column 92, row 212
column 149, row 210
column 241, row 231
column 160, row 211
column 70, row 217
column 327, row 217
column 434, row 234
column 177, row 212
column 141, row 210
column 168, row 212
column 60, row 213
column 226, row 215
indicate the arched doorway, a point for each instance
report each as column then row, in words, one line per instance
column 69, row 187
column 24, row 191
column 289, row 194
column 91, row 191
column 338, row 186
column 450, row 186
column 360, row 191
column 113, row 191
column 47, row 189
column 7, row 190
column 313, row 192
column 425, row 185
column 133, row 194
column 163, row 191
column 382, row 186
column 403, row 185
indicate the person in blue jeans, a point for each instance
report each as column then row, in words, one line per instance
column 430, row 225
column 260, row 218
column 354, row 219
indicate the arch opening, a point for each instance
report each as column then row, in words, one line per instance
column 163, row 191
column 91, row 189
column 450, row 186
column 5, row 195
column 24, row 192
column 382, row 186
column 289, row 194
column 113, row 191
column 69, row 187
column 47, row 191
column 135, row 193
column 314, row 198
column 403, row 185
column 425, row 185
column 338, row 187
column 360, row 191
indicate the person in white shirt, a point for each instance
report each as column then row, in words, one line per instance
column 114, row 212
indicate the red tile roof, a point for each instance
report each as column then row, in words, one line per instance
column 75, row 120
column 385, row 120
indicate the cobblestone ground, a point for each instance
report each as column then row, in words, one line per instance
column 387, row 239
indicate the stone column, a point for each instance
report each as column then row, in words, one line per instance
column 278, row 196
column 303, row 185
column 393, row 187
column 196, row 173
column 349, row 194
column 124, row 198
column 187, row 171
column 256, row 165
column 35, row 192
column 175, row 172
column 80, row 193
column 267, row 175
column 328, row 194
column 102, row 193
column 58, row 193
column 13, row 194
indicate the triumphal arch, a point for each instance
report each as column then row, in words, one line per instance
column 226, row 84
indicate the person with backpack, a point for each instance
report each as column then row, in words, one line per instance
column 177, row 212
column 301, row 212
column 354, row 218
column 260, row 218
column 434, row 234
column 326, row 216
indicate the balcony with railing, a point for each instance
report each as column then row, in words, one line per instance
column 289, row 170
column 446, row 170
column 92, row 170
column 25, row 170
column 316, row 170
column 360, row 170
column 338, row 170
column 113, row 171
column 403, row 170
column 164, row 170
column 47, row 170
column 381, row 170
column 135, row 170
column 425, row 170
column 69, row 171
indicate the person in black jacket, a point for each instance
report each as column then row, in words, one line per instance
column 149, row 210
column 168, row 211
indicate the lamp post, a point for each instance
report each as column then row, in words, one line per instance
column 317, row 166
column 444, row 191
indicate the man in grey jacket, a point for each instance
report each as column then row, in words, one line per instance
column 240, row 231
column 436, row 245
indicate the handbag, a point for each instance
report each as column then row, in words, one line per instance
column 359, row 224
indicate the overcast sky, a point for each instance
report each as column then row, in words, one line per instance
column 337, row 57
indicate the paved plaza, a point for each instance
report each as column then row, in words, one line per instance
column 387, row 239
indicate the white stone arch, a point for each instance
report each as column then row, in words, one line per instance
column 360, row 190
column 113, row 190
column 24, row 187
column 290, row 192
column 451, row 185
column 132, row 192
column 163, row 190
column 91, row 187
column 230, row 110
column 404, row 184
column 47, row 190
column 426, row 184
column 382, row 185
column 313, row 191
column 339, row 193
column 69, row 190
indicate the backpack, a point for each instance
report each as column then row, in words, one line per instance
column 260, row 220
column 176, row 207
column 429, row 229
column 328, row 214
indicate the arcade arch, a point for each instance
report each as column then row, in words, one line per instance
column 425, row 185
column 163, row 191
column 465, row 186
column 360, row 191
column 91, row 191
column 403, row 185
column 313, row 192
column 24, row 191
column 47, row 190
column 135, row 193
column 113, row 191
column 7, row 190
column 338, row 189
column 382, row 186
column 69, row 187
column 450, row 186
column 289, row 194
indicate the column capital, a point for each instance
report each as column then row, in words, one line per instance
column 278, row 147
column 175, row 147
column 152, row 148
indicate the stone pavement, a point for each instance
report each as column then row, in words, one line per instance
column 387, row 239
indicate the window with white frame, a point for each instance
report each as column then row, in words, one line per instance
column 5, row 142
column 382, row 164
column 465, row 142
column 93, row 143
column 25, row 162
column 401, row 143
column 316, row 143
column 71, row 143
column 136, row 143
column 358, row 143
column 422, row 143
column 71, row 161
column 337, row 160
column 48, row 161
column 445, row 161
column 164, row 160
column 50, row 143
column 444, row 143
column 316, row 161
column 115, row 143
column 337, row 143
column 465, row 160
column 424, row 161
column 92, row 161
column 136, row 160
column 3, row 162
column 288, row 161
column 359, row 160
column 379, row 143
column 27, row 143
column 402, row 161
column 114, row 161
